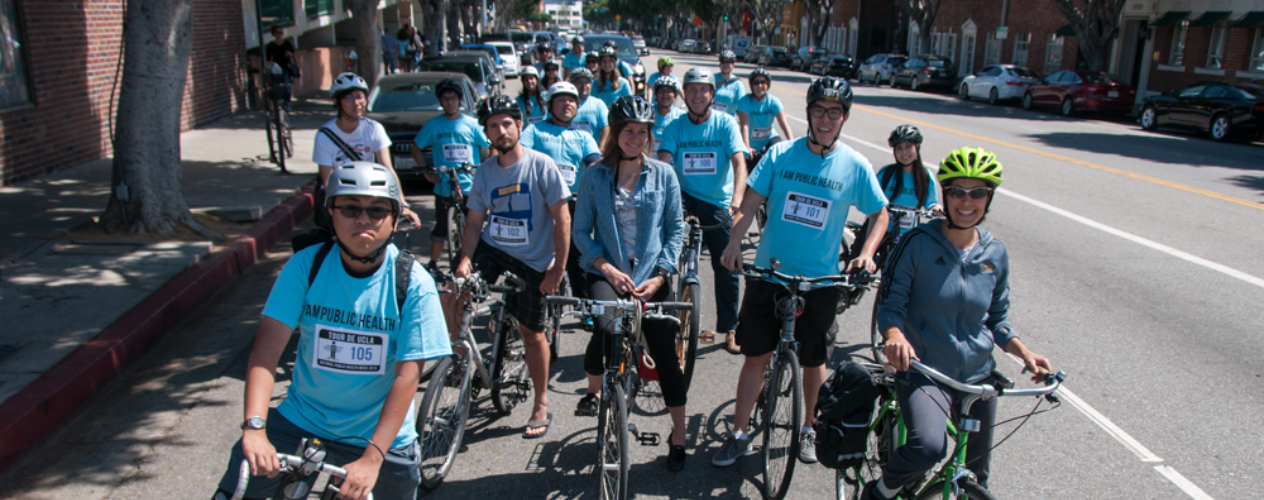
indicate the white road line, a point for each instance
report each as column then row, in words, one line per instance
column 1131, row 444
column 1185, row 485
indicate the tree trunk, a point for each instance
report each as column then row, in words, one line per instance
column 454, row 23
column 1095, row 25
column 146, row 188
column 436, row 12
column 368, row 40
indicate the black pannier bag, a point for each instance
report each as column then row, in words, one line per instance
column 843, row 411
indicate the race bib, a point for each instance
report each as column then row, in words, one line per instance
column 534, row 120
column 699, row 164
column 759, row 134
column 805, row 210
column 654, row 148
column 457, row 153
column 568, row 172
column 723, row 108
column 351, row 352
column 908, row 220
column 508, row 232
column 582, row 127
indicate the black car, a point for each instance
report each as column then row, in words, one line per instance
column 403, row 103
column 1220, row 109
column 752, row 55
column 774, row 56
column 840, row 65
column 804, row 57
column 926, row 70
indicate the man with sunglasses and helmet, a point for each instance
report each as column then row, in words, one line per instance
column 592, row 115
column 728, row 87
column 756, row 113
column 361, row 349
column 521, row 196
column 575, row 58
column 944, row 301
column 813, row 171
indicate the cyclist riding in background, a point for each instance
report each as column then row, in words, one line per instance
column 550, row 75
column 907, row 183
column 591, row 62
column 728, row 87
column 543, row 54
column 521, row 196
column 625, row 69
column 810, row 184
column 531, row 98
column 666, row 89
column 357, row 371
column 665, row 65
column 628, row 226
column 756, row 112
column 592, row 114
column 945, row 302
column 575, row 58
column 610, row 85
column 573, row 151
column 707, row 152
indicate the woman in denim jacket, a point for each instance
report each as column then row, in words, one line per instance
column 629, row 229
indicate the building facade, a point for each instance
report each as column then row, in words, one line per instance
column 566, row 14
column 1196, row 40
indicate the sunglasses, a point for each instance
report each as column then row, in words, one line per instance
column 353, row 211
column 959, row 193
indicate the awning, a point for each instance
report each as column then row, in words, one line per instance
column 1252, row 20
column 1172, row 18
column 1065, row 30
column 1211, row 17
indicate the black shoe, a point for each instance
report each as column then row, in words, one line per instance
column 871, row 491
column 587, row 407
column 676, row 459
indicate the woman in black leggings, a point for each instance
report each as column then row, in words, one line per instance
column 629, row 230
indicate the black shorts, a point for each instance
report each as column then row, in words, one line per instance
column 528, row 307
column 759, row 327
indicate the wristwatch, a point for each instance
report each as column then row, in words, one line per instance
column 254, row 423
column 661, row 273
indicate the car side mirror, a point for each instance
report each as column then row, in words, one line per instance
column 495, row 80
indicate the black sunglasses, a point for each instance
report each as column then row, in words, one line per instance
column 958, row 192
column 353, row 211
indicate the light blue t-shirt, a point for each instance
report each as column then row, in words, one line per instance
column 535, row 114
column 611, row 90
column 660, row 126
column 591, row 117
column 625, row 69
column 761, row 116
column 573, row 60
column 351, row 334
column 906, row 199
column 727, row 94
column 653, row 78
column 808, row 202
column 571, row 149
column 452, row 143
column 701, row 153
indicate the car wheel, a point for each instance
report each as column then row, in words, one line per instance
column 1068, row 106
column 1027, row 101
column 891, row 80
column 993, row 96
column 1219, row 129
column 1149, row 118
column 913, row 84
column 964, row 92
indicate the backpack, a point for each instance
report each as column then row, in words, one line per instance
column 322, row 232
column 403, row 273
column 843, row 411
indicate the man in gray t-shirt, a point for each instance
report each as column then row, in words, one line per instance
column 517, row 199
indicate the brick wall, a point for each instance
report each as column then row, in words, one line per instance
column 1237, row 57
column 1040, row 18
column 73, row 50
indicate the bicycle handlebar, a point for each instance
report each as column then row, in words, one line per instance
column 717, row 225
column 854, row 280
column 1052, row 382
column 289, row 463
column 464, row 167
column 590, row 307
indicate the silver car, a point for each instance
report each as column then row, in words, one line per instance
column 998, row 82
column 879, row 67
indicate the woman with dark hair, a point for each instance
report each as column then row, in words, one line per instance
column 550, row 75
column 610, row 84
column 907, row 183
column 530, row 98
column 629, row 230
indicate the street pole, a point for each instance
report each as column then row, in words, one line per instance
column 482, row 27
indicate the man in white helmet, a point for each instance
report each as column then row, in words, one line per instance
column 593, row 114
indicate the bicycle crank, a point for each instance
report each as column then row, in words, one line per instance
column 645, row 438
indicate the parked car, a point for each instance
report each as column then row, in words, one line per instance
column 513, row 62
column 403, row 103
column 627, row 53
column 879, row 67
column 840, row 65
column 501, row 55
column 926, row 70
column 752, row 55
column 639, row 44
column 1222, row 110
column 1072, row 91
column 685, row 45
column 774, row 56
column 998, row 82
column 486, row 78
column 521, row 40
column 701, row 47
column 802, row 59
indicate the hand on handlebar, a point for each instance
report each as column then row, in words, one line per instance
column 732, row 256
column 862, row 262
column 1036, row 364
column 899, row 351
column 647, row 290
column 410, row 215
column 463, row 268
column 622, row 283
column 361, row 477
column 260, row 453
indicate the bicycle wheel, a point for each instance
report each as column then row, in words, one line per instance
column 441, row 419
column 510, row 383
column 268, row 124
column 782, row 423
column 281, row 153
column 456, row 231
column 612, row 444
column 687, row 337
column 554, row 331
column 850, row 482
column 875, row 336
column 289, row 133
column 969, row 489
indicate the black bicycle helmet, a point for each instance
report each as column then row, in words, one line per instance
column 830, row 89
column 728, row 55
column 550, row 64
column 449, row 85
column 591, row 56
column 760, row 72
column 631, row 109
column 608, row 51
column 904, row 133
column 495, row 105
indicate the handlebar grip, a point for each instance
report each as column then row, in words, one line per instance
column 503, row 289
column 672, row 306
column 561, row 299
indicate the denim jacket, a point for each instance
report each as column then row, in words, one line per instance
column 660, row 225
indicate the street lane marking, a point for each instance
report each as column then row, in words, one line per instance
column 1185, row 485
column 1134, row 175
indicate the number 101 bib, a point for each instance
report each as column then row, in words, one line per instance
column 805, row 210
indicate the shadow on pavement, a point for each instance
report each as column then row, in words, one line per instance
column 1178, row 148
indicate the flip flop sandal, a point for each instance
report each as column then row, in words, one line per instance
column 536, row 424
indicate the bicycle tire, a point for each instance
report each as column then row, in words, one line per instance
column 456, row 231
column 875, row 336
column 289, row 133
column 687, row 337
column 612, row 444
column 511, row 385
column 969, row 490
column 447, row 399
column 779, row 453
column 849, row 482
column 554, row 333
column 281, row 153
column 268, row 125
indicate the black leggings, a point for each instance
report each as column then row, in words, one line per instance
column 659, row 334
column 576, row 274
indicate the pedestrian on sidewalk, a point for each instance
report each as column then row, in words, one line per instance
column 280, row 52
column 390, row 46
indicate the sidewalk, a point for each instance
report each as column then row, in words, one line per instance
column 76, row 312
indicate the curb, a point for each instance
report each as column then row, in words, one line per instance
column 40, row 407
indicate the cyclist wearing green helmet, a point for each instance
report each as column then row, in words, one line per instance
column 665, row 65
column 945, row 302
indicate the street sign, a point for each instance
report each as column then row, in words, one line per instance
column 1001, row 32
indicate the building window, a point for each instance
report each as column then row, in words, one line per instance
column 967, row 55
column 1176, row 56
column 1053, row 54
column 1257, row 54
column 1021, row 41
column 317, row 8
column 1215, row 46
column 992, row 51
column 15, row 87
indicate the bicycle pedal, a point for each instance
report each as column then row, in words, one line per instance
column 706, row 337
column 645, row 438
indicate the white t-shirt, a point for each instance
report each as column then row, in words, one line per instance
column 368, row 138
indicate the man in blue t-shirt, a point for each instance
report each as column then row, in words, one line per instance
column 360, row 350
column 592, row 115
column 757, row 111
column 575, row 58
column 810, row 185
column 706, row 149
column 455, row 139
column 728, row 87
column 666, row 89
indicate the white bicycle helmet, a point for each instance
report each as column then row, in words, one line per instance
column 698, row 75
column 347, row 82
column 561, row 88
column 362, row 178
column 530, row 71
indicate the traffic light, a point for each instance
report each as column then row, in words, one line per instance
column 726, row 18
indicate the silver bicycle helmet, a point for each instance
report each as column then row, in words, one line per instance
column 347, row 82
column 362, row 178
column 581, row 73
column 699, row 75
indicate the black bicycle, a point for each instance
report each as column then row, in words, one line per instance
column 311, row 460
column 689, row 289
column 280, row 137
column 903, row 218
column 455, row 210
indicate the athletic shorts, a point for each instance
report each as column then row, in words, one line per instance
column 759, row 327
column 528, row 306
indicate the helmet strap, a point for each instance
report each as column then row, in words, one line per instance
column 825, row 149
column 365, row 260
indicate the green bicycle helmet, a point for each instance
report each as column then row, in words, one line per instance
column 972, row 163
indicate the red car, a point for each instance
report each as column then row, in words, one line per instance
column 1074, row 91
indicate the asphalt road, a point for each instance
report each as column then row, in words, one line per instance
column 1134, row 268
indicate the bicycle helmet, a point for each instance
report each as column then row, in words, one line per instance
column 760, row 72
column 543, row 46
column 830, row 89
column 667, row 81
column 728, row 55
column 904, row 133
column 631, row 109
column 699, row 75
column 347, row 82
column 449, row 85
column 591, row 57
column 549, row 65
column 608, row 51
column 562, row 88
column 971, row 163
column 577, row 39
column 495, row 105
column 581, row 73
column 529, row 71
column 364, row 178
column 665, row 61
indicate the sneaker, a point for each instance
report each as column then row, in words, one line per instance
column 870, row 491
column 676, row 459
column 588, row 406
column 730, row 343
column 732, row 449
column 807, row 447
column 433, row 268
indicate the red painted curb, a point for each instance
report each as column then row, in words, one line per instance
column 40, row 407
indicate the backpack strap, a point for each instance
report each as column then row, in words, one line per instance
column 346, row 149
column 321, row 254
column 888, row 175
column 403, row 276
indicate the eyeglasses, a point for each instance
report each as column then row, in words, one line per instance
column 355, row 96
column 819, row 111
column 959, row 193
column 353, row 211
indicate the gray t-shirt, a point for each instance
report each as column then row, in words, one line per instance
column 517, row 200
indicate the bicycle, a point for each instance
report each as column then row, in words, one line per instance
column 457, row 379
column 902, row 218
column 619, row 384
column 887, row 431
column 294, row 469
column 280, row 137
column 689, row 289
column 455, row 210
column 783, row 377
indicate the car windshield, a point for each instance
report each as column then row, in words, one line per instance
column 896, row 60
column 469, row 68
column 778, row 50
column 404, row 96
column 936, row 63
column 1099, row 78
column 1024, row 73
column 623, row 45
column 520, row 36
column 504, row 48
column 1245, row 92
column 490, row 51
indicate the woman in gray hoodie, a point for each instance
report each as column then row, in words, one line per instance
column 945, row 302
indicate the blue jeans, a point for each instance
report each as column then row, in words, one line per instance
column 726, row 283
column 388, row 62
